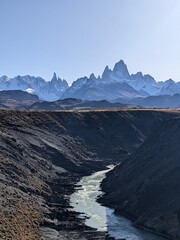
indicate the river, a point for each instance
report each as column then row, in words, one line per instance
column 100, row 217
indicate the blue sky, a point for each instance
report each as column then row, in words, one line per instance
column 77, row 37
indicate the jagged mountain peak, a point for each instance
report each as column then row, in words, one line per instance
column 92, row 76
column 4, row 78
column 137, row 75
column 19, row 77
column 107, row 69
column 170, row 81
column 58, row 83
column 149, row 78
column 121, row 67
column 106, row 73
column 54, row 77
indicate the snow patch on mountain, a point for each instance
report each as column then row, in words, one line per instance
column 30, row 90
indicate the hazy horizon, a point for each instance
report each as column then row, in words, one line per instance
column 77, row 38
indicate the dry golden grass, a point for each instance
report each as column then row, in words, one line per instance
column 20, row 217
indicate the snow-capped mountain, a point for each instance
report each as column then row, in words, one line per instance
column 169, row 87
column 119, row 82
column 95, row 89
column 113, row 84
column 49, row 91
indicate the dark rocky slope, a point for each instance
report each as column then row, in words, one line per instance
column 145, row 187
column 43, row 154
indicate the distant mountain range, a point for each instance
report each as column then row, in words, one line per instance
column 113, row 84
column 119, row 83
column 49, row 91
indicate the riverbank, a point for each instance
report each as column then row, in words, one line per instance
column 126, row 214
column 100, row 217
column 62, row 222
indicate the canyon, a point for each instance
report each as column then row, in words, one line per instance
column 45, row 153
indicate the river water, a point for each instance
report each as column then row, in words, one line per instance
column 100, row 217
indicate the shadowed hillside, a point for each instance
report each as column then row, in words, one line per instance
column 145, row 186
column 16, row 99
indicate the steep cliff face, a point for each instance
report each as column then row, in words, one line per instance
column 145, row 186
column 44, row 153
